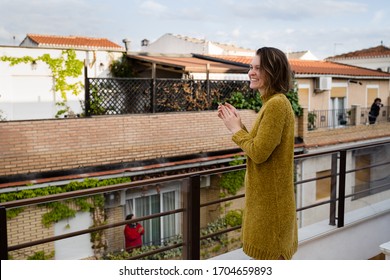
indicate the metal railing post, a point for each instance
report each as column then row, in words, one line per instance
column 333, row 191
column 342, row 174
column 3, row 234
column 153, row 89
column 191, row 249
column 87, row 97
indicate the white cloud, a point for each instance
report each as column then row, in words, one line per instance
column 378, row 16
column 152, row 8
column 236, row 32
column 288, row 10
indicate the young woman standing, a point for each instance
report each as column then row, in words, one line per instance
column 269, row 228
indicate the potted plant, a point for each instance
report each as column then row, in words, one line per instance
column 311, row 118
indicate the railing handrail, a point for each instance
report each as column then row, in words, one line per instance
column 348, row 148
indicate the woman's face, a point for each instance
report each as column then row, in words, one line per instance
column 255, row 74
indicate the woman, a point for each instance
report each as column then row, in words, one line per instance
column 133, row 234
column 374, row 110
column 269, row 224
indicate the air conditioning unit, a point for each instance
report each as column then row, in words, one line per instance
column 323, row 83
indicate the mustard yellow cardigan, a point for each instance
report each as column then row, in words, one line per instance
column 269, row 222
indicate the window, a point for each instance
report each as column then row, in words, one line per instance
column 372, row 93
column 156, row 199
column 303, row 94
column 339, row 114
column 323, row 185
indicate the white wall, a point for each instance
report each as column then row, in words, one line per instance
column 171, row 44
column 372, row 63
column 26, row 93
column 74, row 248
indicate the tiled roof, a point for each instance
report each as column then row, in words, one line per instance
column 190, row 64
column 73, row 42
column 379, row 51
column 331, row 68
column 311, row 67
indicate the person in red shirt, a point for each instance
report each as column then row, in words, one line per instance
column 133, row 234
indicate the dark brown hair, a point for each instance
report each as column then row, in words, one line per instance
column 129, row 217
column 276, row 70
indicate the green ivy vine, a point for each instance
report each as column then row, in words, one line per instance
column 64, row 67
column 41, row 255
column 62, row 210
column 231, row 182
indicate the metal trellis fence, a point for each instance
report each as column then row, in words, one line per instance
column 109, row 96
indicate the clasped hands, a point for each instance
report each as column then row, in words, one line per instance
column 230, row 116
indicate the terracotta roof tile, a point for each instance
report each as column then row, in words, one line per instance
column 379, row 51
column 331, row 68
column 313, row 67
column 73, row 41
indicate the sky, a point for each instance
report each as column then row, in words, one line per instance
column 324, row 27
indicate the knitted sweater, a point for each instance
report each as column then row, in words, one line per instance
column 269, row 222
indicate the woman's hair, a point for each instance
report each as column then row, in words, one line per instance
column 129, row 217
column 276, row 70
column 377, row 99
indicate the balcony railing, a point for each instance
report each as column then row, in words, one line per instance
column 344, row 117
column 329, row 185
column 384, row 115
column 328, row 118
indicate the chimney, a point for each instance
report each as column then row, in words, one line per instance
column 144, row 43
column 127, row 44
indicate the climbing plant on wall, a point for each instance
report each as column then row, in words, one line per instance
column 63, row 69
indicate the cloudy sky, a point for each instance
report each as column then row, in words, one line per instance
column 325, row 27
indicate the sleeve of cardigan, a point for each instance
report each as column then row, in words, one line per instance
column 268, row 135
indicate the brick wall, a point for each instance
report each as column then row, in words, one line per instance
column 47, row 145
column 326, row 137
column 27, row 227
column 114, row 236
